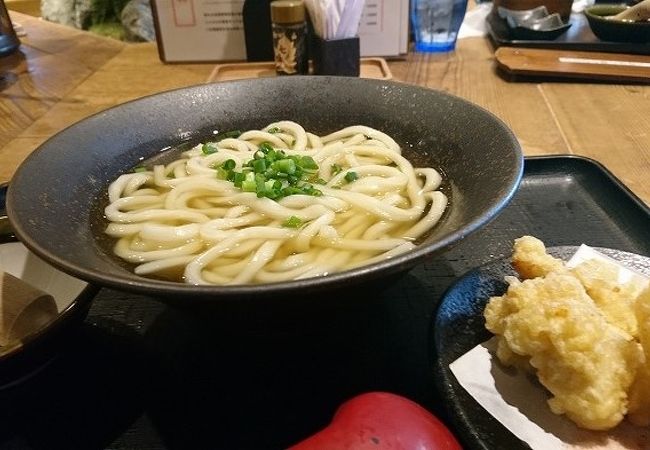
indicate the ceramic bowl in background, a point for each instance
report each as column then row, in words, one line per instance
column 606, row 29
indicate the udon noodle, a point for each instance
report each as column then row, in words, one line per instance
column 367, row 203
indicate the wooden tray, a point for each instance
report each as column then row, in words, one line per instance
column 574, row 64
column 370, row 68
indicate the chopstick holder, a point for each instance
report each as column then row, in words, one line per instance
column 23, row 309
column 336, row 56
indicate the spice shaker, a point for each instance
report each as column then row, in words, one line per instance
column 289, row 27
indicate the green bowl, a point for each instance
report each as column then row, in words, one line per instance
column 616, row 30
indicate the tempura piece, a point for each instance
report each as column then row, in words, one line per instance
column 615, row 300
column 530, row 259
column 640, row 392
column 586, row 363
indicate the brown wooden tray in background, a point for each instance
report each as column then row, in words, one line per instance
column 370, row 68
column 574, row 64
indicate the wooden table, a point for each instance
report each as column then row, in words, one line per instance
column 141, row 375
column 62, row 75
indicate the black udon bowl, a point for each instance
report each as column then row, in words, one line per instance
column 54, row 195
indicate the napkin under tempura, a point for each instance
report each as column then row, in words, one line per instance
column 23, row 309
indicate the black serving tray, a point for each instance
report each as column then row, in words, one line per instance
column 144, row 375
column 578, row 37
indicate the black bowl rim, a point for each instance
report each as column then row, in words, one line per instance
column 589, row 12
column 208, row 293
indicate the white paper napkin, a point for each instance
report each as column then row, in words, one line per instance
column 474, row 22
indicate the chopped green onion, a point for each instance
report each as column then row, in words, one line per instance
column 273, row 130
column 208, row 149
column 273, row 174
column 265, row 147
column 238, row 179
column 259, row 165
column 229, row 134
column 287, row 166
column 260, row 185
column 336, row 169
column 308, row 163
column 248, row 184
column 351, row 176
column 140, row 169
column 292, row 222
column 222, row 173
column 272, row 155
column 310, row 190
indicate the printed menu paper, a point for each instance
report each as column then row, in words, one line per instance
column 199, row 30
column 384, row 28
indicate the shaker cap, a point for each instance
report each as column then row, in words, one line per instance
column 287, row 11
